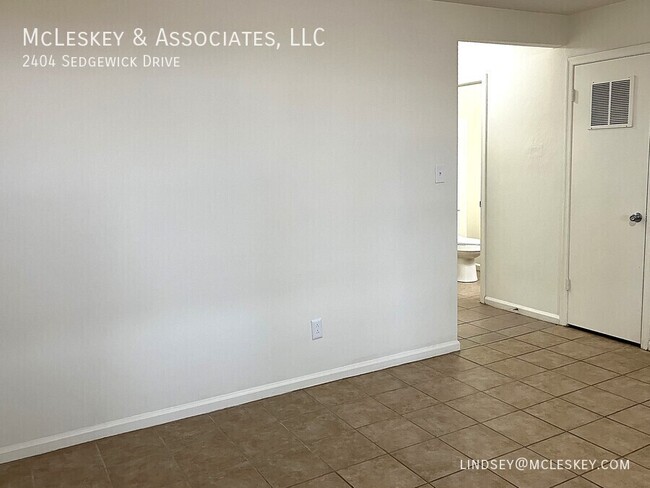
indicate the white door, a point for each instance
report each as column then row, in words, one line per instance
column 609, row 185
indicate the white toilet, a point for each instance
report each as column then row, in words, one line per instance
column 469, row 249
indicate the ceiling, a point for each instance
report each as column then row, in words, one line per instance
column 549, row 6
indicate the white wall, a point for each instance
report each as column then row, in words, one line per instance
column 168, row 235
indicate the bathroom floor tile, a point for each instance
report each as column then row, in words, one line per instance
column 431, row 460
column 481, row 407
column 586, row 373
column 394, row 434
column 483, row 355
column 343, row 450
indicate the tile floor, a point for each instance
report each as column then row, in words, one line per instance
column 517, row 388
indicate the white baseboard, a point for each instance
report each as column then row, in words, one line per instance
column 150, row 419
column 527, row 311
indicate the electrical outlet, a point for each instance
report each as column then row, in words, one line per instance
column 316, row 329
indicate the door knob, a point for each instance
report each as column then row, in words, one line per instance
column 637, row 217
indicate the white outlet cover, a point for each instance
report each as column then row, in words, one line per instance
column 316, row 329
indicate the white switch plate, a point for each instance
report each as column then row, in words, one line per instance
column 316, row 329
column 441, row 173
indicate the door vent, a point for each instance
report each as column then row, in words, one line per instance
column 611, row 104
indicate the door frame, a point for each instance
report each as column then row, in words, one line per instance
column 484, row 135
column 564, row 284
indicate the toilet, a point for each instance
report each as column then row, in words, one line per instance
column 469, row 249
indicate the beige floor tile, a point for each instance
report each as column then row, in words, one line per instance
column 570, row 447
column 515, row 368
column 394, row 434
column 79, row 466
column 483, row 355
column 619, row 363
column 488, row 310
column 600, row 401
column 587, row 373
column 467, row 343
column 336, row 393
column 519, row 394
column 470, row 315
column 151, row 471
column 243, row 477
column 504, row 321
column 126, row 447
column 562, row 414
column 523, row 428
column 513, row 347
column 641, row 457
column 480, row 442
column 259, row 441
column 449, row 363
column 489, row 338
column 17, row 474
column 603, row 343
column 641, row 375
column 576, row 350
column 286, row 468
column 637, row 417
column 567, row 332
column 444, row 389
column 207, row 455
column 312, row 426
column 532, row 478
column 331, row 480
column 343, row 450
column 542, row 339
column 440, row 419
column 578, row 482
column 629, row 388
column 540, row 325
column 517, row 330
column 362, row 413
column 613, row 436
column 431, row 459
column 244, row 416
column 414, row 373
column 468, row 331
column 381, row 472
column 482, row 378
column 554, row 383
column 377, row 382
column 469, row 303
column 547, row 359
column 181, row 432
column 291, row 404
column 637, row 477
column 406, row 400
column 481, row 407
column 472, row 479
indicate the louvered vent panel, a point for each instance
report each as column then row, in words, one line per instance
column 611, row 104
column 600, row 104
column 620, row 105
